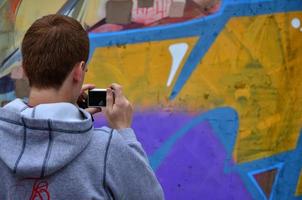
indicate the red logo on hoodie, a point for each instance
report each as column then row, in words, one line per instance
column 40, row 191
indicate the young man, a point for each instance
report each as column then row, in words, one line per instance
column 48, row 146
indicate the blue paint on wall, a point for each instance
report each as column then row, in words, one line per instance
column 252, row 173
column 286, row 184
column 224, row 121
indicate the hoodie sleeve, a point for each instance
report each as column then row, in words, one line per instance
column 128, row 173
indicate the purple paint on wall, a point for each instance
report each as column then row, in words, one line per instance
column 153, row 128
column 194, row 169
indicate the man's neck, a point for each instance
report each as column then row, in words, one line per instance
column 43, row 96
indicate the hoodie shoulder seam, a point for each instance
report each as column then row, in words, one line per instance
column 102, row 129
column 48, row 151
column 44, row 129
column 23, row 148
column 106, row 187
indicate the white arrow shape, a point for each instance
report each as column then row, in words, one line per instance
column 178, row 52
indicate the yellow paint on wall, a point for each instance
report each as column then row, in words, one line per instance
column 254, row 67
column 142, row 69
column 269, row 121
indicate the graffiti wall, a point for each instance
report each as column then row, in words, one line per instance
column 215, row 84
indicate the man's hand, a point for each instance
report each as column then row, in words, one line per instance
column 119, row 111
column 83, row 98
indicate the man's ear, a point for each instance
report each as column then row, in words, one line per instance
column 78, row 71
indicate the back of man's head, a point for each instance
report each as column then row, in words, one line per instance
column 51, row 47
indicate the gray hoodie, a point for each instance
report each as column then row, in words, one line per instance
column 52, row 151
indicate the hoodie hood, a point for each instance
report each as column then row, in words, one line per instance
column 36, row 142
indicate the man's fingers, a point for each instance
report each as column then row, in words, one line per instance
column 115, row 86
column 93, row 110
column 119, row 98
column 83, row 96
column 117, row 89
column 87, row 87
column 109, row 98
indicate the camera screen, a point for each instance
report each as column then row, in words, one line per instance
column 97, row 98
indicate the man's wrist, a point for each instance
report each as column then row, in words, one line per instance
column 120, row 126
column 128, row 134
